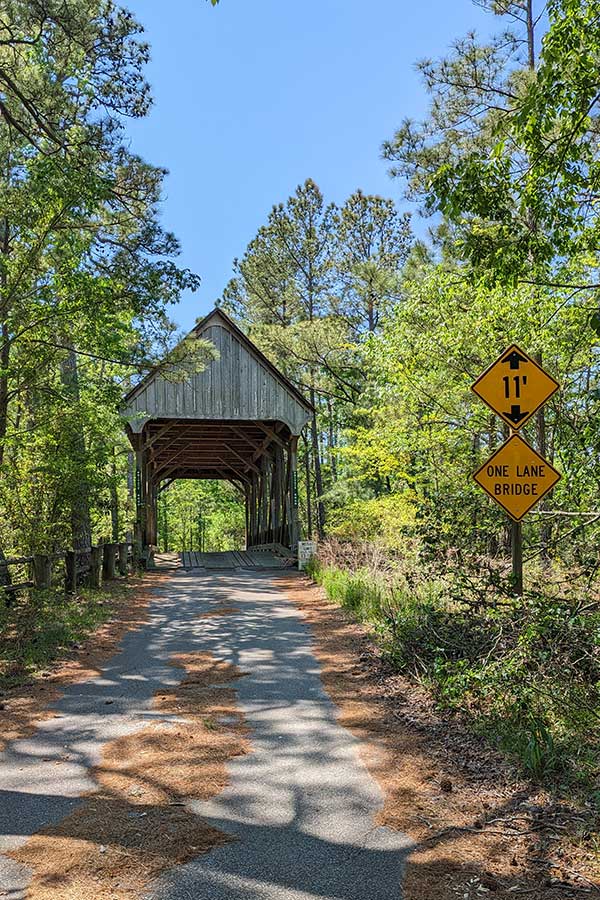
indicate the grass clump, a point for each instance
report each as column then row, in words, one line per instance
column 44, row 626
column 524, row 672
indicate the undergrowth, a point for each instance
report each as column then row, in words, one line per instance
column 524, row 672
column 44, row 626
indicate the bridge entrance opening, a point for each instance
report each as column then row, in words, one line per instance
column 201, row 517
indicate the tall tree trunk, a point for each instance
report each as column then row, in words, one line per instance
column 371, row 312
column 114, row 500
column 314, row 428
column 332, row 459
column 542, row 448
column 81, row 526
column 307, row 477
column 318, row 470
column 5, row 347
column 5, row 578
column 530, row 36
column 4, row 395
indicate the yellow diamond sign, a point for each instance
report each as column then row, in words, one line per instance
column 516, row 477
column 515, row 386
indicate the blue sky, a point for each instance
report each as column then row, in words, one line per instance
column 254, row 96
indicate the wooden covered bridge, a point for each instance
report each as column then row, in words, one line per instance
column 238, row 420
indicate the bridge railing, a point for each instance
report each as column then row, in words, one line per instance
column 70, row 568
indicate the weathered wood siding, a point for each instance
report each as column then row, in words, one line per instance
column 237, row 385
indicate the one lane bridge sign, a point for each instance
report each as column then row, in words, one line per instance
column 515, row 386
column 516, row 477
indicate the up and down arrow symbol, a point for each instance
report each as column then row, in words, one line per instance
column 514, row 359
column 515, row 415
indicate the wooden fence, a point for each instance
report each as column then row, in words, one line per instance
column 71, row 568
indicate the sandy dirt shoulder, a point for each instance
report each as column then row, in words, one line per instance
column 478, row 828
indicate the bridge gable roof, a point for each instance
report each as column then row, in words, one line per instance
column 241, row 384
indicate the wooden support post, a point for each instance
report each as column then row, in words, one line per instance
column 252, row 541
column 272, row 513
column 140, row 499
column 95, row 573
column 264, row 501
column 282, row 500
column 293, row 491
column 147, row 504
column 70, row 572
column 287, row 516
column 257, row 511
column 151, row 513
column 42, row 571
column 258, row 508
column 285, row 499
column 247, row 489
column 277, row 495
column 109, row 569
column 123, row 558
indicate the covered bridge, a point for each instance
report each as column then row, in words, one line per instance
column 238, row 420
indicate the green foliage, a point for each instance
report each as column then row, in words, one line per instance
column 313, row 285
column 86, row 270
column 388, row 519
column 355, row 591
column 201, row 515
column 509, row 152
column 34, row 634
column 525, row 675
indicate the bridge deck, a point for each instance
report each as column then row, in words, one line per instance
column 233, row 559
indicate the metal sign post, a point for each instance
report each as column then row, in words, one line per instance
column 515, row 386
column 516, row 534
column 516, row 550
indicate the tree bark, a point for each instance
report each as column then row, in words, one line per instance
column 530, row 36
column 114, row 501
column 307, row 477
column 5, row 348
column 318, row 470
column 542, row 448
column 332, row 459
column 81, row 527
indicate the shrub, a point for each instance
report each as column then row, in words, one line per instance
column 526, row 673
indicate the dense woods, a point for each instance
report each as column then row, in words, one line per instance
column 86, row 269
column 381, row 322
column 386, row 332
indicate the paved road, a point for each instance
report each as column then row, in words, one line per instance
column 301, row 804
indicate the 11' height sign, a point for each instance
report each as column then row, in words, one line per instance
column 516, row 476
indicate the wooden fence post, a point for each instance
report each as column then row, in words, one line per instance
column 42, row 571
column 94, row 575
column 70, row 572
column 109, row 569
column 123, row 554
